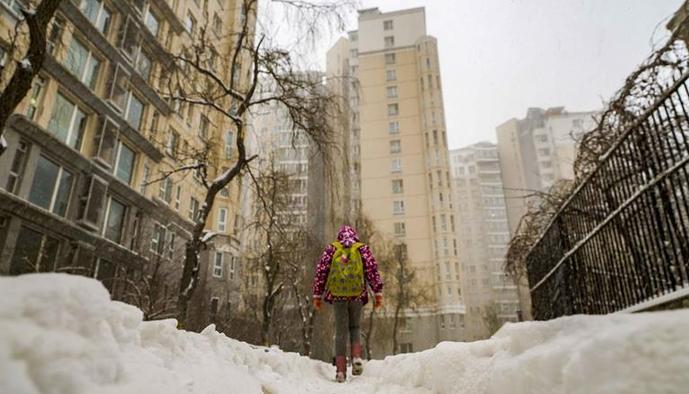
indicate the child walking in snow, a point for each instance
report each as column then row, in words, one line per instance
column 346, row 268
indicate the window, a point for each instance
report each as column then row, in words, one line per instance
column 353, row 52
column 406, row 348
column 57, row 26
column 114, row 220
column 189, row 23
column 397, row 186
column 400, row 229
column 15, row 6
column 67, row 122
column 398, row 207
column 393, row 109
column 34, row 252
column 152, row 23
column 390, row 58
column 165, row 191
column 96, row 12
column 139, row 5
column 387, row 25
column 229, row 143
column 143, row 65
column 218, row 265
column 389, row 41
column 129, row 42
column 92, row 205
column 117, row 88
column 171, row 244
column 171, row 143
column 234, row 265
column 36, row 97
column 390, row 75
column 391, row 91
column 541, row 138
column 544, row 151
column 222, row 220
column 135, row 111
column 52, row 187
column 17, row 167
column 204, row 125
column 395, row 146
column 124, row 165
column 396, row 165
column 394, row 127
column 158, row 239
column 193, row 209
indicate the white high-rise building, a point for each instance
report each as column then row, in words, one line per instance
column 482, row 231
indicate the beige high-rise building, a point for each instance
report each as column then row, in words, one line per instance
column 490, row 296
column 400, row 164
column 82, row 183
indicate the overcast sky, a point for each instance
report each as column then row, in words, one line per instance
column 500, row 57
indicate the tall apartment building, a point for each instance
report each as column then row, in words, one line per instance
column 397, row 122
column 490, row 296
column 537, row 151
column 78, row 189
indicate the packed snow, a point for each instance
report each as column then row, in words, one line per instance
column 62, row 334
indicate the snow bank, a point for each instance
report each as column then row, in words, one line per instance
column 62, row 334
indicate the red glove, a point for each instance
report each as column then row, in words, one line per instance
column 317, row 304
column 378, row 301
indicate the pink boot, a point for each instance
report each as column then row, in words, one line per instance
column 341, row 366
column 357, row 362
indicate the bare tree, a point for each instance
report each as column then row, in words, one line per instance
column 641, row 88
column 191, row 78
column 29, row 61
column 152, row 289
column 491, row 321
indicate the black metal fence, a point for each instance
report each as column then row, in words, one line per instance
column 622, row 238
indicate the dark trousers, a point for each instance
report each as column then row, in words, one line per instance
column 347, row 318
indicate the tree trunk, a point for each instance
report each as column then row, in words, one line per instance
column 369, row 334
column 189, row 280
column 20, row 82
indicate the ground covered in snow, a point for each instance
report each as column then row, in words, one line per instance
column 62, row 334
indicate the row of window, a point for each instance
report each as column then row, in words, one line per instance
column 448, row 271
column 219, row 260
column 439, row 178
column 443, row 222
column 68, row 123
column 436, row 140
column 38, row 252
column 52, row 188
column 52, row 184
column 445, row 247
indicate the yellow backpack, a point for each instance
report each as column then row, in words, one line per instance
column 346, row 277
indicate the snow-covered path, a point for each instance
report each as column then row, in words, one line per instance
column 62, row 334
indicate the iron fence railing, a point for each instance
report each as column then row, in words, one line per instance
column 622, row 238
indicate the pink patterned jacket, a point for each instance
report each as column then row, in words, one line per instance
column 347, row 236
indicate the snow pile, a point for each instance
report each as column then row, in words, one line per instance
column 62, row 334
